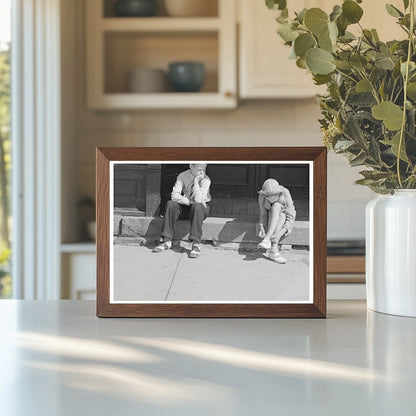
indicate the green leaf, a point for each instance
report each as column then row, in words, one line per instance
column 358, row 61
column 384, row 62
column 276, row 4
column 303, row 43
column 281, row 19
column 336, row 12
column 316, row 20
column 362, row 99
column 394, row 143
column 406, row 4
column 301, row 15
column 375, row 35
column 393, row 11
column 319, row 61
column 359, row 160
column 375, row 150
column 345, row 65
column 363, row 86
column 365, row 182
column 347, row 37
column 353, row 131
column 333, row 32
column 321, row 79
column 325, row 42
column 342, row 25
column 374, row 174
column 411, row 90
column 412, row 67
column 287, row 33
column 301, row 63
column 343, row 145
column 351, row 11
column 391, row 114
column 368, row 36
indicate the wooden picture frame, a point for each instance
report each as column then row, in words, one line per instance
column 113, row 164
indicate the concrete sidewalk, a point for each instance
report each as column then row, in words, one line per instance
column 217, row 275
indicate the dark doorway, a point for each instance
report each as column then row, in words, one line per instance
column 168, row 178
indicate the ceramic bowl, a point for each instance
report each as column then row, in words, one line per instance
column 135, row 8
column 147, row 80
column 186, row 76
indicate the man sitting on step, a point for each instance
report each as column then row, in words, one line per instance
column 189, row 199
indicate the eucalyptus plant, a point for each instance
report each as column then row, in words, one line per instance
column 369, row 111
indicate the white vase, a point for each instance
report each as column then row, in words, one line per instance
column 391, row 253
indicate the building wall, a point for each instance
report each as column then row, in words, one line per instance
column 253, row 123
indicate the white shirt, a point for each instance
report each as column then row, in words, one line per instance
column 184, row 194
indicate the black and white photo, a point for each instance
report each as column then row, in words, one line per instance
column 199, row 231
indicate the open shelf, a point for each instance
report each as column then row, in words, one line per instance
column 210, row 9
column 116, row 46
column 126, row 51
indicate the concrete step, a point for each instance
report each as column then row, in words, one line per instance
column 219, row 230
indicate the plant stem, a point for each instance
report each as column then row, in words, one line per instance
column 346, row 75
column 406, row 79
column 373, row 88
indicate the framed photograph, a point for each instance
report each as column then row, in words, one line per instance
column 211, row 232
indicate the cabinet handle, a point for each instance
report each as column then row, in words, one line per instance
column 229, row 94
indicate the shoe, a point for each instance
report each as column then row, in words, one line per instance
column 265, row 243
column 163, row 246
column 195, row 252
column 277, row 257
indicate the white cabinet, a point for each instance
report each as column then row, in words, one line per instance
column 265, row 70
column 78, row 262
column 118, row 45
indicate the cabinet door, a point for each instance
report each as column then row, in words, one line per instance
column 265, row 68
column 78, row 276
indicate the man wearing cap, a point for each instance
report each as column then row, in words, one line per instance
column 189, row 199
column 277, row 215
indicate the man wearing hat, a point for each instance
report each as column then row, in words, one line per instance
column 277, row 215
column 189, row 199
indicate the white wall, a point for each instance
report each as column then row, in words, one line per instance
column 253, row 123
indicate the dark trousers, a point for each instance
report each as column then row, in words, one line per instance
column 196, row 213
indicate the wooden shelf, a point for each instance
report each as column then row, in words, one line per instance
column 346, row 269
column 346, row 264
column 196, row 100
column 80, row 247
column 160, row 24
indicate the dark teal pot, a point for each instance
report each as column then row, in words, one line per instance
column 135, row 8
column 186, row 76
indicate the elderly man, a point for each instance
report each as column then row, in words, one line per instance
column 189, row 199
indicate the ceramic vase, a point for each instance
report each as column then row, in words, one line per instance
column 391, row 253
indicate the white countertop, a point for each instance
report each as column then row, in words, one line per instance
column 57, row 358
